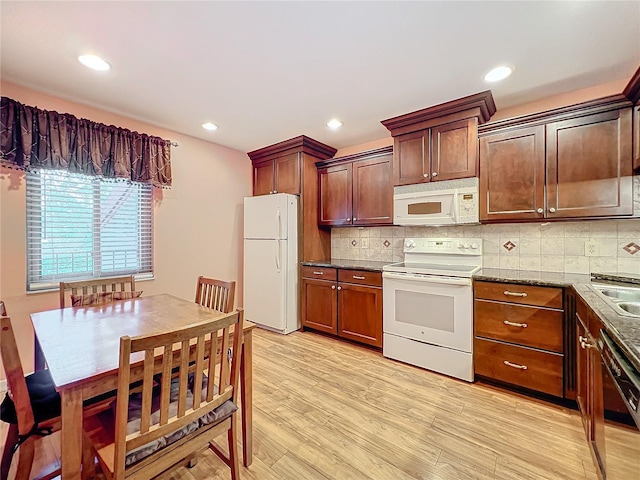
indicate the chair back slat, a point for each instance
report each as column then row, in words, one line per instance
column 16, row 384
column 115, row 284
column 215, row 294
column 183, row 351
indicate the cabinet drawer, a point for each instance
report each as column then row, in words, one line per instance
column 506, row 363
column 526, row 294
column 362, row 277
column 321, row 273
column 522, row 324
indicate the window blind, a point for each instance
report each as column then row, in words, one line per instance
column 81, row 227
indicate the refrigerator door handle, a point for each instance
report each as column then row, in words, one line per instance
column 279, row 220
column 278, row 255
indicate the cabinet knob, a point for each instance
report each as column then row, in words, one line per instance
column 333, row 287
column 348, row 219
column 540, row 210
column 434, row 174
column 425, row 175
column 339, row 288
column 552, row 210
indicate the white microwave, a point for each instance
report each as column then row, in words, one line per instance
column 450, row 202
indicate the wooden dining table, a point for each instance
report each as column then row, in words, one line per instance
column 81, row 348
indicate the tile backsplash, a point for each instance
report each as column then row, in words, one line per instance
column 573, row 247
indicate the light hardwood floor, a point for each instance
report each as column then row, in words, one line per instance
column 325, row 409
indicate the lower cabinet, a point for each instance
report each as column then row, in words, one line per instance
column 519, row 332
column 342, row 302
column 590, row 382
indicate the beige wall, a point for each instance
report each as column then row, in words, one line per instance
column 197, row 223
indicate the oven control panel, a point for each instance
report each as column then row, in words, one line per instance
column 455, row 246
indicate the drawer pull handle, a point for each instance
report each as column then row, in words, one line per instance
column 514, row 324
column 515, row 365
column 318, row 273
column 585, row 344
column 514, row 294
column 358, row 277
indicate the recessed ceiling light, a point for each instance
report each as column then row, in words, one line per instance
column 94, row 62
column 209, row 126
column 498, row 73
column 334, row 124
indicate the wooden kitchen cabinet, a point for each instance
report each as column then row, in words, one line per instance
column 279, row 175
column 573, row 162
column 356, row 190
column 348, row 304
column 518, row 335
column 440, row 142
column 590, row 381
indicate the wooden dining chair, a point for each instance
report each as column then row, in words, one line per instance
column 113, row 285
column 216, row 294
column 166, row 424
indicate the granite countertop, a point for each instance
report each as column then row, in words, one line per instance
column 350, row 264
column 624, row 331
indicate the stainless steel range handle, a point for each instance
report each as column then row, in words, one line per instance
column 515, row 365
column 514, row 324
column 514, row 294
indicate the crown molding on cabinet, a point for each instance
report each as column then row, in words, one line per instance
column 480, row 104
column 632, row 90
column 301, row 143
column 369, row 154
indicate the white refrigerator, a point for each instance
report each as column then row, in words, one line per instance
column 271, row 261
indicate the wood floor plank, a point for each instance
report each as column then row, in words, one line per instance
column 327, row 409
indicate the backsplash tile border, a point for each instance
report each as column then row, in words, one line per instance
column 552, row 247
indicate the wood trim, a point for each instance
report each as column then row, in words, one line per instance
column 369, row 154
column 632, row 90
column 301, row 143
column 604, row 104
column 482, row 101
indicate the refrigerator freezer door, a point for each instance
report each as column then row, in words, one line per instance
column 266, row 216
column 265, row 276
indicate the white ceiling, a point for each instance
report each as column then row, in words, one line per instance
column 268, row 71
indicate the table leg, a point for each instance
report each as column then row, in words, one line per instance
column 71, row 434
column 246, row 392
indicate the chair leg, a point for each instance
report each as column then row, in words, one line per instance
column 88, row 460
column 232, row 435
column 7, row 451
column 26, row 453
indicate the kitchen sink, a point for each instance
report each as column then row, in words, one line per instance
column 633, row 308
column 624, row 300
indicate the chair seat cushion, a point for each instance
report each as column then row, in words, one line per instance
column 45, row 401
column 135, row 413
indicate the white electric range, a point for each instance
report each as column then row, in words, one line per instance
column 428, row 305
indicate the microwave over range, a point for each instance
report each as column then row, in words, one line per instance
column 450, row 202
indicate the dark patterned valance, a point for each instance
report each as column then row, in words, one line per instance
column 31, row 138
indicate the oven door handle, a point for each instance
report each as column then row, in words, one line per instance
column 428, row 279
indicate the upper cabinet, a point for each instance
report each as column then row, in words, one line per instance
column 440, row 142
column 632, row 92
column 290, row 167
column 356, row 190
column 572, row 162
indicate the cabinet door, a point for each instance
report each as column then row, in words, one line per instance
column 583, row 377
column 512, row 175
column 319, row 305
column 287, row 174
column 335, row 195
column 372, row 192
column 360, row 313
column 263, row 178
column 411, row 158
column 454, row 150
column 589, row 162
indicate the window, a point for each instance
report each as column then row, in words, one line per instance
column 81, row 227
